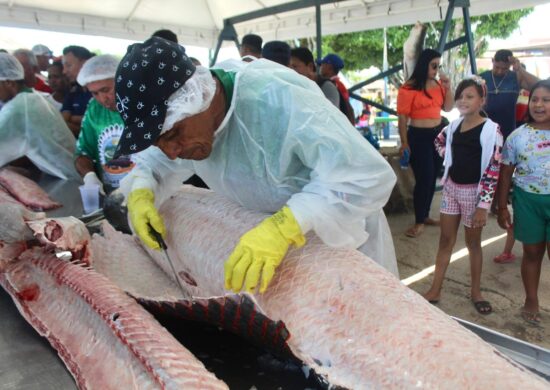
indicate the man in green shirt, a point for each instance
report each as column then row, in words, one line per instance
column 101, row 127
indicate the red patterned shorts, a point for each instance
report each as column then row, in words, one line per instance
column 459, row 199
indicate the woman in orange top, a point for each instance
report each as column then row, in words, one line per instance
column 419, row 104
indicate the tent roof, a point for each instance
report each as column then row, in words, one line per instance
column 198, row 22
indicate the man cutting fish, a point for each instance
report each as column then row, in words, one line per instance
column 261, row 135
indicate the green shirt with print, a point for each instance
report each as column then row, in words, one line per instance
column 99, row 136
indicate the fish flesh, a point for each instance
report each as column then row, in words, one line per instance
column 351, row 321
column 122, row 259
column 26, row 191
column 65, row 233
column 412, row 48
column 105, row 338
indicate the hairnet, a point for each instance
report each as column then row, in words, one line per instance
column 192, row 98
column 97, row 68
column 10, row 68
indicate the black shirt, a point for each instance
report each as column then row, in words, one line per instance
column 466, row 149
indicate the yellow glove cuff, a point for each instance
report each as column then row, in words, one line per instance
column 141, row 194
column 289, row 227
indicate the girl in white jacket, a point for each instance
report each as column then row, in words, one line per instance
column 471, row 147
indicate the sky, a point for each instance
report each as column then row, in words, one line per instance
column 14, row 38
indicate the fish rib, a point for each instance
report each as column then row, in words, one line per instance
column 105, row 338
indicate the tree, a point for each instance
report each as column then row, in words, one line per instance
column 364, row 49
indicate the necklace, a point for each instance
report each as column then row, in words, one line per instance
column 499, row 84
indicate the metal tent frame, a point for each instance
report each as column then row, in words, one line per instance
column 229, row 33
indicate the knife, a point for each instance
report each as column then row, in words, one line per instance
column 164, row 250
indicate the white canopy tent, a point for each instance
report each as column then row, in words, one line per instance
column 199, row 22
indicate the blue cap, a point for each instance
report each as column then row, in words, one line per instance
column 334, row 60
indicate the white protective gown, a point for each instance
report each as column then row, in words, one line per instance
column 282, row 142
column 30, row 126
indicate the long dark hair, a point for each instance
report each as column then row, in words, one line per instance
column 419, row 76
column 540, row 84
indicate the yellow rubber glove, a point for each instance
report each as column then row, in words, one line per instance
column 261, row 250
column 143, row 213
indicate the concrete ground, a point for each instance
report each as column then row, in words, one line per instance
column 501, row 283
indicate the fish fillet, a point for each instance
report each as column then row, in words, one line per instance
column 26, row 191
column 104, row 337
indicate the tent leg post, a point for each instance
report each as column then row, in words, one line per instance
column 228, row 33
column 319, row 36
column 446, row 26
column 469, row 39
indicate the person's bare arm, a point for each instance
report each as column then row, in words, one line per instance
column 449, row 102
column 503, row 189
column 526, row 80
column 73, row 122
column 402, row 123
column 83, row 165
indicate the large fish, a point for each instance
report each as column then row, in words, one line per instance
column 337, row 311
column 412, row 48
column 105, row 338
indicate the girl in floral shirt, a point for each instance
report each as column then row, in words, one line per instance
column 471, row 147
column 526, row 156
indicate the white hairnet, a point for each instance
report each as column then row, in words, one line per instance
column 191, row 99
column 97, row 68
column 10, row 68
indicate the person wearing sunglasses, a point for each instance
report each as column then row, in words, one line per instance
column 419, row 103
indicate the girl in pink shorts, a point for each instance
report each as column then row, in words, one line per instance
column 471, row 147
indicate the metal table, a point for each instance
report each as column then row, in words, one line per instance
column 27, row 361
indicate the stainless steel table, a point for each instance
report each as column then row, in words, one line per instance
column 27, row 361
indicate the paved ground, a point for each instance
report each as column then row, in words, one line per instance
column 501, row 283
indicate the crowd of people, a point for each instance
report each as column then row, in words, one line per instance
column 284, row 126
column 486, row 156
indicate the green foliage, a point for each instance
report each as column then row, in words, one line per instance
column 364, row 49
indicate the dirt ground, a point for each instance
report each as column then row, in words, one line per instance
column 501, row 283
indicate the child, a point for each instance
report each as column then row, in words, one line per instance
column 527, row 153
column 471, row 148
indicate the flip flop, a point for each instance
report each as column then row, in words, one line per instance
column 483, row 307
column 504, row 258
column 531, row 317
column 414, row 231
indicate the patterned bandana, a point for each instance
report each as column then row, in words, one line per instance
column 146, row 77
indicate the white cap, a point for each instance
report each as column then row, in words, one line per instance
column 42, row 50
column 97, row 68
column 10, row 68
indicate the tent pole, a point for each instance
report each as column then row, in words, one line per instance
column 469, row 39
column 446, row 26
column 228, row 33
column 319, row 35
